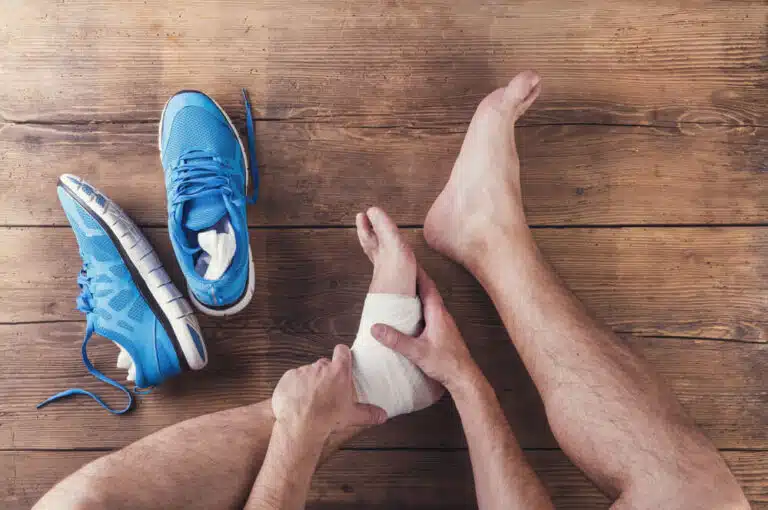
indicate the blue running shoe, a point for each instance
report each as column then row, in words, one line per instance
column 127, row 296
column 206, row 178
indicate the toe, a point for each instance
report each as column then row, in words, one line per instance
column 383, row 226
column 521, row 92
column 365, row 235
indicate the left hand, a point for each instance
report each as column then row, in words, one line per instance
column 439, row 350
column 322, row 397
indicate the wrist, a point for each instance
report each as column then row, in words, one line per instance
column 465, row 380
column 302, row 432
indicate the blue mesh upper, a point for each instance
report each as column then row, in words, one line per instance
column 116, row 302
column 125, row 326
column 136, row 313
column 121, row 300
column 120, row 271
column 195, row 128
column 98, row 247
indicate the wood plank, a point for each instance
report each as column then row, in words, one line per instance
column 378, row 63
column 380, row 479
column 321, row 174
column 721, row 384
column 314, row 280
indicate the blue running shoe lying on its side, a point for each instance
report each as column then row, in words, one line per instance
column 127, row 296
column 206, row 177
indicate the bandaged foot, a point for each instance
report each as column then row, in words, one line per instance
column 382, row 376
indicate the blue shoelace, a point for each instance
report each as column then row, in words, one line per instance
column 85, row 305
column 253, row 165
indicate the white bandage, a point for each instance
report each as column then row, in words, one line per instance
column 382, row 376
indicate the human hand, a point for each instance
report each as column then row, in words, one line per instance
column 439, row 351
column 321, row 397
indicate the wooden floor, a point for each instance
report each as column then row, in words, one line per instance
column 645, row 175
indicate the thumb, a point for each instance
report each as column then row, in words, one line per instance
column 398, row 342
column 367, row 414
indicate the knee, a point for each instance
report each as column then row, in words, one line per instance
column 77, row 492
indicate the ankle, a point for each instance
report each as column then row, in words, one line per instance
column 497, row 247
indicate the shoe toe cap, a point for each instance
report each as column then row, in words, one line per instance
column 193, row 121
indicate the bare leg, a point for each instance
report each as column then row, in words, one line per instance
column 609, row 412
column 206, row 462
column 211, row 462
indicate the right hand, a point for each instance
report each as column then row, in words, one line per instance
column 321, row 398
column 439, row 351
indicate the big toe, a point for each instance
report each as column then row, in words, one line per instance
column 521, row 92
column 385, row 229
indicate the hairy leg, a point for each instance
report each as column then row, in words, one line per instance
column 206, row 462
column 610, row 413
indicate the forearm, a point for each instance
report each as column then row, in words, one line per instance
column 285, row 476
column 503, row 477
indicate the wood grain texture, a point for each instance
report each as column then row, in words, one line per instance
column 380, row 479
column 320, row 174
column 652, row 114
column 387, row 63
column 694, row 282
column 721, row 384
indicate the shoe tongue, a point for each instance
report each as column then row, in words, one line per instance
column 204, row 212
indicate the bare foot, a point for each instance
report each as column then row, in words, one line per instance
column 484, row 187
column 394, row 264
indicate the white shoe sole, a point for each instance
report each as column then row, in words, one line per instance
column 148, row 274
column 251, row 284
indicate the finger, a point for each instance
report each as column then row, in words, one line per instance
column 367, row 414
column 398, row 342
column 342, row 358
column 322, row 362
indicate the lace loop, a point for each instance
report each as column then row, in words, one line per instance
column 198, row 174
column 89, row 329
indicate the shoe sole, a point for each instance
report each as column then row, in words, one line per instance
column 250, row 286
column 146, row 270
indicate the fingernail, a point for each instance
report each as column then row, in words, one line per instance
column 377, row 330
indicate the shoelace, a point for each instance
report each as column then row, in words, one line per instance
column 85, row 305
column 199, row 173
column 253, row 164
